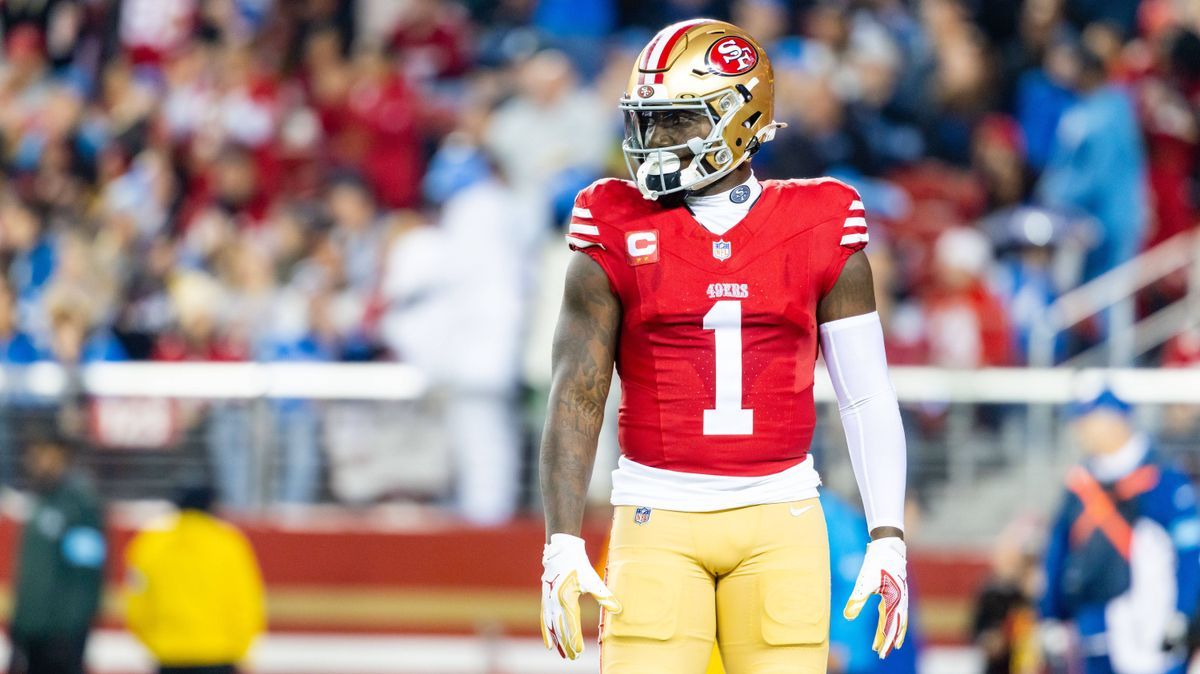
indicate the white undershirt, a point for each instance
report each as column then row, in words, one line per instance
column 718, row 213
column 634, row 484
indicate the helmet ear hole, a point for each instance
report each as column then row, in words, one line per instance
column 738, row 142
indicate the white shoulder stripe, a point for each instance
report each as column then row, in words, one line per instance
column 581, row 212
column 856, row 206
column 855, row 222
column 855, row 238
column 582, row 243
column 577, row 228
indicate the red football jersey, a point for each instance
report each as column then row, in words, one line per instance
column 719, row 333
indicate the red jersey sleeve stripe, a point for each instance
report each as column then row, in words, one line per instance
column 580, row 228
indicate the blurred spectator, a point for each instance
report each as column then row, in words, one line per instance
column 1043, row 90
column 998, row 157
column 1098, row 165
column 1168, row 102
column 958, row 322
column 194, row 594
column 357, row 231
column 76, row 337
column 16, row 347
column 383, row 133
column 56, row 22
column 60, row 565
column 197, row 300
column 431, row 40
column 550, row 126
column 127, row 105
column 197, row 336
column 469, row 284
column 1005, row 622
column 961, row 81
column 1181, row 422
column 299, row 331
column 31, row 254
column 152, row 30
column 1121, row 14
column 228, row 197
column 1184, row 349
column 1034, row 245
column 1123, row 560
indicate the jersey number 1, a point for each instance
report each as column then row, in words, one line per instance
column 727, row 417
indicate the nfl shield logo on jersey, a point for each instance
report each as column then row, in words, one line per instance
column 722, row 250
column 641, row 515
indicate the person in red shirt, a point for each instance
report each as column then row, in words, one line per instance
column 431, row 40
column 966, row 326
column 197, row 336
column 383, row 131
column 228, row 425
column 228, row 189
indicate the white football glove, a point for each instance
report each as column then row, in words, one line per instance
column 884, row 572
column 566, row 574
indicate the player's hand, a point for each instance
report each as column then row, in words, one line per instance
column 884, row 572
column 566, row 574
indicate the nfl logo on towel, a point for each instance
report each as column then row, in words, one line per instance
column 641, row 515
column 722, row 250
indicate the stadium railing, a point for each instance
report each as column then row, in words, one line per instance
column 363, row 433
column 1112, row 295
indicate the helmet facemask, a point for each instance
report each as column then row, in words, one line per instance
column 660, row 170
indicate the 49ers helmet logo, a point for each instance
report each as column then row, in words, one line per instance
column 731, row 56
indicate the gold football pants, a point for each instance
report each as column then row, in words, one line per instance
column 755, row 580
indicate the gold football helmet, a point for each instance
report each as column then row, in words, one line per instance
column 706, row 67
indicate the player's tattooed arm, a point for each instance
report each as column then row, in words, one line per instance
column 852, row 295
column 585, row 344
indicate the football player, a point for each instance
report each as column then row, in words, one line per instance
column 711, row 292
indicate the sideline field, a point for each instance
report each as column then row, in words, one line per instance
column 116, row 652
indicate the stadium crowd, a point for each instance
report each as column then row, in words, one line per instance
column 248, row 179
column 341, row 180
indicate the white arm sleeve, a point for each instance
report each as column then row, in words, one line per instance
column 857, row 364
